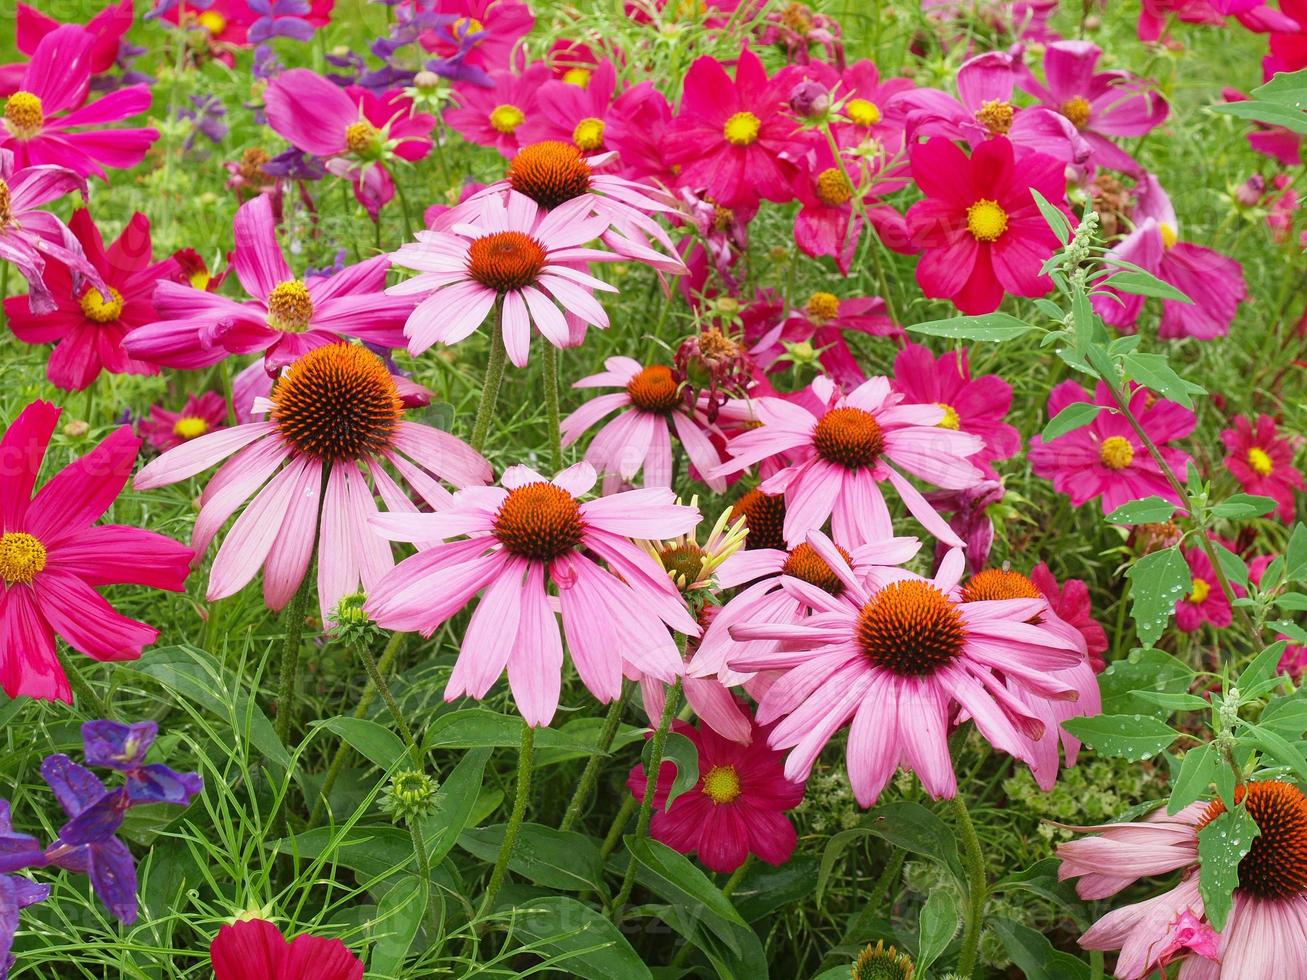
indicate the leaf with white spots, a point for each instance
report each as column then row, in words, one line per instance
column 1157, row 582
column 1222, row 844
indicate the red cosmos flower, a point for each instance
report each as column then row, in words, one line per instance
column 87, row 330
column 737, row 807
column 107, row 27
column 981, row 230
column 492, row 116
column 255, row 949
column 1070, row 603
column 1262, row 461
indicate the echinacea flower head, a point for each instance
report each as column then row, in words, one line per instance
column 53, row 557
column 736, row 808
column 335, row 419
column 881, row 962
column 255, row 949
column 516, row 541
column 1261, row 459
column 691, row 565
column 200, row 415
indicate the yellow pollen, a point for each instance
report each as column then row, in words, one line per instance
column 589, row 134
column 213, row 22
column 22, row 557
column 986, row 220
column 189, row 427
column 950, row 419
column 742, row 129
column 506, row 118
column 833, row 187
column 24, row 115
column 1116, row 453
column 1260, row 461
column 1199, row 591
column 822, row 308
column 1169, row 235
column 94, row 307
column 464, row 26
column 862, row 112
column 6, row 210
column 1077, row 110
column 361, row 136
column 721, row 784
column 996, row 116
column 289, row 307
column 580, row 77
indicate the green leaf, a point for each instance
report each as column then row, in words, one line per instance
column 1175, row 701
column 1286, row 88
column 1034, row 955
column 479, row 728
column 399, row 916
column 1157, row 582
column 455, row 804
column 560, row 859
column 997, row 327
column 1196, row 772
column 1286, row 716
column 1243, row 505
column 914, row 828
column 835, row 846
column 1063, row 230
column 682, row 754
column 377, row 744
column 766, row 889
column 1142, row 670
column 937, row 923
column 1154, row 371
column 1222, row 844
column 1150, row 510
column 1145, row 284
column 1292, row 601
column 1265, row 112
column 1262, row 668
column 578, row 940
column 1131, row 737
column 1280, row 748
column 1073, row 417
column 1232, row 565
column 1295, row 556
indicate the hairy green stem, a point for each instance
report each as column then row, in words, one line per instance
column 590, row 774
column 294, row 620
column 494, row 375
column 382, row 688
column 551, row 405
column 977, row 888
column 525, row 761
column 86, row 697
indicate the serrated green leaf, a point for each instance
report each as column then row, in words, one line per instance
column 1150, row 510
column 1286, row 716
column 1034, row 956
column 1073, row 417
column 1157, row 582
column 558, row 859
column 1145, row 284
column 996, row 327
column 1224, row 780
column 937, row 923
column 377, row 744
column 1154, row 372
column 914, row 828
column 1142, row 670
column 1196, row 772
column 1131, row 737
column 1222, row 844
column 1243, row 505
column 580, row 939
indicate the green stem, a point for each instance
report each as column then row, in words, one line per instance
column 424, row 867
column 91, row 703
column 494, row 375
column 620, row 821
column 379, row 683
column 525, row 755
column 294, row 620
column 977, row 888
column 591, row 772
column 551, row 404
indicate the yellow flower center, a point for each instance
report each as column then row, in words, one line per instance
column 1077, row 110
column 189, row 427
column 1169, row 235
column 589, row 134
column 950, row 419
column 833, row 187
column 24, row 115
column 721, row 784
column 1199, row 591
column 862, row 112
column 95, row 308
column 289, row 307
column 361, row 136
column 506, row 118
column 580, row 77
column 1260, row 461
column 464, row 26
column 996, row 116
column 742, row 129
column 1116, row 453
column 986, row 220
column 212, row 21
column 6, row 210
column 22, row 557
column 822, row 307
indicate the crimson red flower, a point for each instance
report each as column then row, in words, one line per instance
column 1262, row 461
column 255, row 949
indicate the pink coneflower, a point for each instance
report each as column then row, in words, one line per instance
column 492, row 116
column 45, row 120
column 512, row 254
column 821, row 323
column 199, row 416
column 652, row 406
column 1260, row 937
column 521, row 537
column 86, row 328
column 1262, row 461
column 1070, row 602
column 53, row 557
column 737, row 807
column 107, row 27
column 901, row 657
column 736, row 138
column 285, row 317
column 1213, row 281
column 845, row 450
column 483, row 32
column 571, row 113
column 1206, row 601
column 1106, row 458
column 334, row 416
column 981, row 230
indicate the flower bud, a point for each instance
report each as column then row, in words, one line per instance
column 809, row 100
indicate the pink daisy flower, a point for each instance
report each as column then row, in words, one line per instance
column 979, row 225
column 255, row 949
column 737, row 807
column 1106, row 457
column 635, row 129
column 1270, row 902
column 569, row 112
column 107, row 27
column 516, row 540
column 821, row 322
column 285, row 317
column 484, row 32
column 492, row 116
column 843, row 452
column 200, row 415
column 639, row 438
column 45, row 120
column 53, row 557
column 86, row 329
column 1206, row 601
column 867, row 103
column 1262, row 461
column 903, row 658
column 335, row 417
column 1070, row 602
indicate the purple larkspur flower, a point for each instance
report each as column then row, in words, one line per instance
column 112, row 745
column 280, row 18
column 209, row 116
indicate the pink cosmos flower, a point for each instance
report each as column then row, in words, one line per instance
column 107, row 27
column 1106, row 457
column 45, row 120
column 1070, row 602
column 1205, row 601
column 570, row 112
column 285, row 316
column 255, row 949
column 492, row 116
column 981, row 230
column 1262, row 461
column 1288, row 48
column 737, row 807
column 53, row 557
column 869, row 110
column 335, row 418
column 86, row 329
column 651, row 405
column 1254, row 15
column 845, row 450
column 1270, row 901
column 637, row 123
column 200, row 415
column 484, row 32
column 821, row 322
column 516, row 540
column 902, row 657
column 1213, row 281
column 736, row 138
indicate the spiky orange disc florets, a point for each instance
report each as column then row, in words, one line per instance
column 764, row 516
column 999, row 583
column 549, row 173
column 654, row 390
column 505, row 260
column 910, row 628
column 539, row 521
column 337, row 403
column 1275, row 867
column 849, row 437
column 804, row 563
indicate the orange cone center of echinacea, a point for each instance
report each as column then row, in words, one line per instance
column 764, row 517
column 721, row 784
column 1275, row 867
column 849, row 437
column 806, row 565
column 910, row 628
column 999, row 583
column 539, row 521
column 654, row 390
column 550, row 173
column 337, row 403
column 1116, row 453
column 22, row 557
column 24, row 115
column 505, row 260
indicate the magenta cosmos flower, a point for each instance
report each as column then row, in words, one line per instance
column 245, row 22
column 822, row 322
column 521, row 537
column 1262, row 935
column 285, row 317
column 845, row 449
column 492, row 116
column 574, row 113
column 86, row 329
column 255, row 949
column 736, row 139
column 335, row 418
column 200, row 415
column 1205, row 602
column 45, row 121
column 483, row 33
column 903, row 658
column 737, row 807
column 512, row 254
column 651, row 406
column 1106, row 458
column 31, row 26
column 869, row 109
column 982, row 232
column 1262, row 461
column 53, row 557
